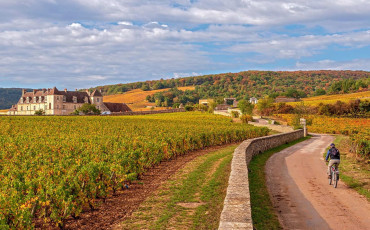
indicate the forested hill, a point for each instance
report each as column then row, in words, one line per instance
column 257, row 83
column 9, row 97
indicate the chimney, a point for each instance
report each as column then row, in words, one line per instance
column 76, row 90
column 65, row 90
column 43, row 90
column 23, row 92
column 34, row 91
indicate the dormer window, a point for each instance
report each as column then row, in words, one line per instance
column 74, row 99
column 64, row 98
column 22, row 100
column 45, row 99
column 86, row 100
column 34, row 99
column 97, row 99
column 27, row 100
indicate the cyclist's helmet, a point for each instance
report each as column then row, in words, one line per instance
column 332, row 145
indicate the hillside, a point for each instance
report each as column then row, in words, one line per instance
column 257, row 83
column 136, row 99
column 9, row 97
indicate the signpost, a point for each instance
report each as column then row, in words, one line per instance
column 303, row 122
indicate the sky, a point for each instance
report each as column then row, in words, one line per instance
column 85, row 43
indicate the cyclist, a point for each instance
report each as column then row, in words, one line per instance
column 334, row 155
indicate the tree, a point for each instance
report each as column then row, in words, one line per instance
column 245, row 107
column 263, row 104
column 145, row 87
column 89, row 109
column 320, row 92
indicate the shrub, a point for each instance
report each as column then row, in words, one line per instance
column 234, row 114
column 245, row 118
column 39, row 112
column 189, row 108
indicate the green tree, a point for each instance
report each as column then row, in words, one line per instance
column 89, row 109
column 245, row 107
column 264, row 104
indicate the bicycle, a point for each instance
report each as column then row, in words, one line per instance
column 334, row 175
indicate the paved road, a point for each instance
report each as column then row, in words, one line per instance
column 298, row 185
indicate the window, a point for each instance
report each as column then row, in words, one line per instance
column 27, row 107
column 45, row 107
column 57, row 98
column 57, row 106
column 34, row 107
column 49, row 105
column 21, row 108
column 64, row 98
column 28, row 100
column 46, row 99
column 97, row 99
column 74, row 106
column 64, row 106
column 34, row 99
column 74, row 99
column 22, row 100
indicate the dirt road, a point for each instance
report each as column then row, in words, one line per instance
column 302, row 197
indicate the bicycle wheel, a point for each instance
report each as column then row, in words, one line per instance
column 331, row 177
column 335, row 183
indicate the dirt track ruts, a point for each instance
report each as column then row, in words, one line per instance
column 297, row 182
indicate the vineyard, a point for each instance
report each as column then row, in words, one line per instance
column 332, row 99
column 357, row 128
column 136, row 99
column 52, row 168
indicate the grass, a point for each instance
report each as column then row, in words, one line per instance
column 355, row 173
column 263, row 213
column 191, row 199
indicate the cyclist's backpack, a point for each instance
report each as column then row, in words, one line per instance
column 334, row 152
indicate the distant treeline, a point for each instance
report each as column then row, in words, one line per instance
column 244, row 85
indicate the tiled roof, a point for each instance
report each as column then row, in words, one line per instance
column 41, row 94
column 96, row 93
column 117, row 107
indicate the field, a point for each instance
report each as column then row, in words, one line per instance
column 136, row 99
column 55, row 167
column 357, row 128
column 331, row 99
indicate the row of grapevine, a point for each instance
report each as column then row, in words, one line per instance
column 52, row 168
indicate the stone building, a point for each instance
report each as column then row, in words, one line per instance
column 55, row 102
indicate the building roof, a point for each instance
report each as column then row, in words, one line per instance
column 117, row 107
column 96, row 93
column 41, row 94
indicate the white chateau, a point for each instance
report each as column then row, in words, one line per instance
column 55, row 102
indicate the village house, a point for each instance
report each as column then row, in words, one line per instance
column 55, row 102
column 253, row 100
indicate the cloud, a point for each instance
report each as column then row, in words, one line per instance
column 81, row 43
column 357, row 64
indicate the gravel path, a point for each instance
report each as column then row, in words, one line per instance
column 302, row 197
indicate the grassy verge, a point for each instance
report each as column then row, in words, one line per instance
column 353, row 172
column 191, row 199
column 263, row 214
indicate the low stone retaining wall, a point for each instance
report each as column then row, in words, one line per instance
column 279, row 128
column 236, row 213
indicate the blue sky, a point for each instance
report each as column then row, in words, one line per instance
column 84, row 43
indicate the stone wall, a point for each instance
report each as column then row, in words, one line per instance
column 236, row 213
column 279, row 128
